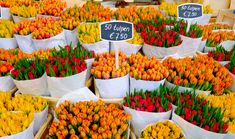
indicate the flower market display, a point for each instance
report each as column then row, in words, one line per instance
column 172, row 78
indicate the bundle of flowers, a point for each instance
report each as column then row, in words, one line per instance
column 23, row 11
column 208, row 28
column 5, row 69
column 217, row 37
column 96, row 120
column 220, row 54
column 144, row 68
column 89, row 12
column 135, row 15
column 200, row 73
column 194, row 30
column 67, row 62
column 162, row 129
column 6, row 29
column 52, row 7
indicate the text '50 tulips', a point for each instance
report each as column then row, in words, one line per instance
column 201, row 72
column 89, row 120
column 104, row 66
column 147, row 69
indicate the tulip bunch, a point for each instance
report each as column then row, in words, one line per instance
column 6, row 28
column 24, row 11
column 14, row 122
column 200, row 72
column 26, row 69
column 67, row 61
column 89, row 12
column 194, row 30
column 52, row 7
column 201, row 114
column 147, row 69
column 164, row 39
column 27, row 103
column 163, row 129
column 220, row 54
column 147, row 101
column 25, row 27
column 5, row 68
column 207, row 29
column 48, row 31
column 92, row 119
column 69, row 23
column 5, row 98
column 89, row 33
column 135, row 15
column 14, row 55
column 217, row 37
column 104, row 66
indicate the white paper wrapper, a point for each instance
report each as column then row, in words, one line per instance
column 17, row 19
column 223, row 63
column 46, row 16
column 160, row 52
column 189, row 46
column 228, row 45
column 26, row 134
column 39, row 119
column 89, row 65
column 126, row 47
column 195, row 132
column 232, row 88
column 140, row 119
column 6, row 83
column 144, row 85
column 229, row 136
column 6, row 14
column 53, row 42
column 98, row 47
column 8, row 43
column 58, row 87
column 202, row 46
column 202, row 20
column 113, row 88
column 36, row 87
column 71, row 36
column 25, row 43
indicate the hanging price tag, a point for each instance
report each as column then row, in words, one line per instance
column 189, row 11
column 116, row 31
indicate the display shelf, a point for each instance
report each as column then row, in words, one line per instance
column 42, row 131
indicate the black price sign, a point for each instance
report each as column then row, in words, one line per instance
column 0, row 12
column 116, row 31
column 190, row 10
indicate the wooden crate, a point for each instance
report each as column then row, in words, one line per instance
column 226, row 15
column 42, row 131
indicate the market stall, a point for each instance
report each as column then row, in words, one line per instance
column 91, row 71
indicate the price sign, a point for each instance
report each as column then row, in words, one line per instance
column 190, row 11
column 116, row 31
column 0, row 12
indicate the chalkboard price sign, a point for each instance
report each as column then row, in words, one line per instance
column 116, row 31
column 0, row 12
column 190, row 11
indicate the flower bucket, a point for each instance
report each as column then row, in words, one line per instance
column 39, row 119
column 202, row 20
column 17, row 19
column 71, row 36
column 53, row 42
column 8, row 43
column 160, row 52
column 25, row 43
column 98, row 47
column 6, row 14
column 89, row 65
column 189, row 46
column 109, row 89
column 36, row 87
column 6, row 83
column 144, row 85
column 58, row 86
